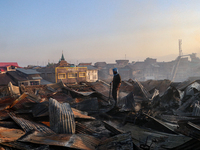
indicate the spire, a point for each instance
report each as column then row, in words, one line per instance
column 62, row 57
column 62, row 62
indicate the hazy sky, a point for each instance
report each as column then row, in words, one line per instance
column 37, row 31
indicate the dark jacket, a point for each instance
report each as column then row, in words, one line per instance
column 116, row 81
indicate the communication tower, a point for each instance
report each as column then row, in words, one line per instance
column 180, row 49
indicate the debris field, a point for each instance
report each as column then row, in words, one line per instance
column 150, row 115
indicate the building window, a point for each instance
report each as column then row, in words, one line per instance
column 82, row 74
column 34, row 82
column 61, row 76
column 24, row 83
column 72, row 75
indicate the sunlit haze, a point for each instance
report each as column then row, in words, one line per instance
column 36, row 32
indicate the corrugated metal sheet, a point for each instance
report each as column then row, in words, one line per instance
column 144, row 91
column 127, row 103
column 159, row 125
column 28, row 71
column 194, row 126
column 89, row 105
column 61, row 117
column 192, row 89
column 161, row 85
column 100, row 87
column 24, row 95
column 82, row 129
column 77, row 141
column 185, row 84
column 196, row 110
column 34, row 97
column 4, row 114
column 174, row 119
column 105, row 103
column 27, row 125
column 80, row 114
column 40, row 109
column 111, row 127
column 121, row 142
column 9, row 124
column 84, row 93
column 6, row 101
column 130, row 86
column 189, row 129
column 16, row 145
column 25, row 99
column 62, row 97
column 187, row 103
column 190, row 145
column 55, row 86
column 10, row 135
column 74, row 93
column 24, row 104
column 146, row 136
column 16, row 75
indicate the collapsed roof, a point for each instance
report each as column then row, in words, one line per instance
column 150, row 115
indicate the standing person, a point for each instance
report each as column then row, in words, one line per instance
column 116, row 85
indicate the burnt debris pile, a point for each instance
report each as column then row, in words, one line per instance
column 148, row 115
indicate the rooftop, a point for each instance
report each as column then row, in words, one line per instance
column 16, row 76
column 5, row 79
column 4, row 64
column 28, row 71
column 89, row 67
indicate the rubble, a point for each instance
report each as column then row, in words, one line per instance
column 61, row 117
column 150, row 115
column 76, row 141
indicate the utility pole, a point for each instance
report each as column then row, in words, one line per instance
column 180, row 49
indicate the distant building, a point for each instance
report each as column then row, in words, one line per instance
column 8, row 66
column 105, row 73
column 150, row 61
column 194, row 58
column 92, row 72
column 64, row 71
column 177, row 70
column 85, row 64
column 125, row 72
column 100, row 65
column 25, row 76
column 136, row 71
column 70, row 75
column 183, row 69
column 62, row 62
column 122, row 62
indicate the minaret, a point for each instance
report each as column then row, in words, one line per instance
column 62, row 57
column 62, row 62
